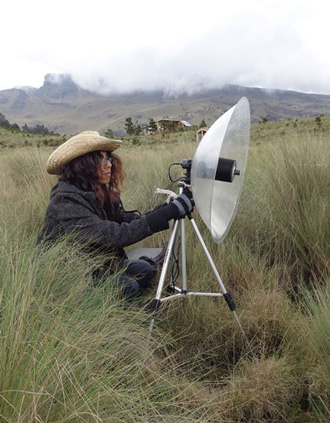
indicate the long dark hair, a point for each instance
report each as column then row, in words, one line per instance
column 83, row 173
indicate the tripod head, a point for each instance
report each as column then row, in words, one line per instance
column 186, row 177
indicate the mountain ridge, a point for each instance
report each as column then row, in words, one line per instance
column 66, row 108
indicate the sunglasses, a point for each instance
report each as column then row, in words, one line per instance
column 106, row 160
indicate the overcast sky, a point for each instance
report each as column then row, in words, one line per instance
column 176, row 45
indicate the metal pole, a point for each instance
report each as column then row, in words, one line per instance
column 166, row 260
column 156, row 302
column 183, row 257
column 226, row 294
column 208, row 256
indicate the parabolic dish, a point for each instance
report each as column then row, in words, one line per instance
column 225, row 144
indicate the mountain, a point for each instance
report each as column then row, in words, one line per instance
column 64, row 107
column 27, row 89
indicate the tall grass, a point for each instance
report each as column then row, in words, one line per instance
column 74, row 352
column 289, row 221
column 318, row 344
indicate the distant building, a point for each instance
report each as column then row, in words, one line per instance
column 169, row 125
column 200, row 134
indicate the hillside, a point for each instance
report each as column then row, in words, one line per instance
column 262, row 132
column 66, row 108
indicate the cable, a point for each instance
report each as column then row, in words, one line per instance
column 169, row 172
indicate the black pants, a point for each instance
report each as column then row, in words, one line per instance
column 138, row 275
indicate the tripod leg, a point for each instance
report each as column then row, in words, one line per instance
column 183, row 257
column 174, row 267
column 225, row 294
column 215, row 271
column 183, row 253
column 154, row 306
column 156, row 301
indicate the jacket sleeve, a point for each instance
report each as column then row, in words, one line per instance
column 127, row 216
column 74, row 214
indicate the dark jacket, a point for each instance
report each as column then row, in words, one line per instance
column 74, row 211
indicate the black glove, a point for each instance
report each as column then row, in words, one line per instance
column 182, row 205
column 179, row 207
column 189, row 194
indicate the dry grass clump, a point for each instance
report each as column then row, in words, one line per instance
column 263, row 308
column 268, row 319
column 262, row 391
column 211, row 339
column 318, row 345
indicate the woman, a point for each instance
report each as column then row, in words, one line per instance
column 86, row 203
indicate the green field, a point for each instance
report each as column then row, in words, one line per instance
column 72, row 352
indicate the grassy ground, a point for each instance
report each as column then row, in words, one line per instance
column 71, row 352
column 13, row 139
column 260, row 133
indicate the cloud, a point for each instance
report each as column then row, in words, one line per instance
column 178, row 47
column 256, row 51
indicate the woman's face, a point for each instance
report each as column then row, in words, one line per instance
column 104, row 171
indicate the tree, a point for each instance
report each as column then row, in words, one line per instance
column 38, row 129
column 318, row 121
column 137, row 129
column 203, row 124
column 129, row 126
column 109, row 133
column 4, row 123
column 152, row 125
column 15, row 127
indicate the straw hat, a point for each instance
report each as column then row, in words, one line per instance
column 80, row 144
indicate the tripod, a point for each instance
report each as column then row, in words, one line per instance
column 179, row 231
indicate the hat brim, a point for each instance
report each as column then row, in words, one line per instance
column 80, row 144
